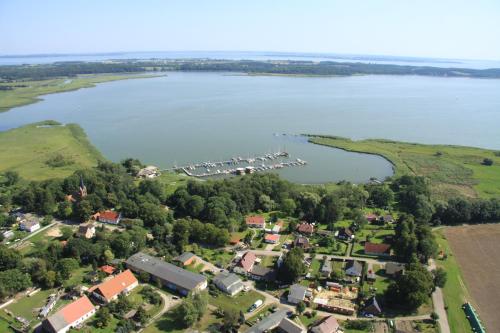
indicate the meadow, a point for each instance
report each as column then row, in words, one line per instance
column 30, row 149
column 453, row 170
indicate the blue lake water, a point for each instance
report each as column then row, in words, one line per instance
column 191, row 117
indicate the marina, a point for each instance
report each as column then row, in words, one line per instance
column 240, row 166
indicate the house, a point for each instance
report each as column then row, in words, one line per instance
column 373, row 249
column 353, row 268
column 370, row 273
column 107, row 269
column 327, row 325
column 372, row 307
column 247, row 261
column 109, row 290
column 271, row 238
column 108, row 216
column 345, row 234
column 235, row 240
column 297, row 293
column 86, row 230
column 277, row 227
column 171, row 276
column 69, row 316
column 371, row 217
column 186, row 259
column 387, row 218
column 289, row 326
column 8, row 234
column 302, row 242
column 305, row 228
column 268, row 323
column 255, row 221
column 331, row 301
column 229, row 283
column 29, row 225
column 262, row 273
column 394, row 268
column 148, row 172
column 326, row 268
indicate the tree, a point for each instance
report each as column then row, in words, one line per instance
column 108, row 255
column 11, row 178
column 380, row 195
column 412, row 289
column 66, row 232
column 102, row 317
column 248, row 237
column 301, row 307
column 292, row 267
column 288, row 207
column 141, row 315
column 66, row 266
column 231, row 319
column 440, row 277
column 64, row 210
column 487, row 161
column 12, row 281
column 9, row 258
column 186, row 314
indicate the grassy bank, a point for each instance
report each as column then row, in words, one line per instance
column 452, row 169
column 27, row 92
column 455, row 293
column 46, row 150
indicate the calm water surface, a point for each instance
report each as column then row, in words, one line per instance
column 190, row 117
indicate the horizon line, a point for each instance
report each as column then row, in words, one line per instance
column 62, row 54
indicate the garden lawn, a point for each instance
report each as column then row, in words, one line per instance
column 241, row 302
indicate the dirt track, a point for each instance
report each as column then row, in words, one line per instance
column 477, row 249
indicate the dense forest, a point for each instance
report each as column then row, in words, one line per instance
column 37, row 72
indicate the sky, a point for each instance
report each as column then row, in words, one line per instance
column 456, row 29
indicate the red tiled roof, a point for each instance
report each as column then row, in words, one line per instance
column 247, row 261
column 74, row 311
column 116, row 285
column 272, row 237
column 305, row 228
column 377, row 248
column 107, row 269
column 109, row 215
column 255, row 220
column 235, row 239
column 371, row 217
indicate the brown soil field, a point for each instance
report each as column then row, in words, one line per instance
column 477, row 250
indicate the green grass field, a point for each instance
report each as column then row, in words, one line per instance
column 28, row 149
column 241, row 301
column 455, row 292
column 453, row 170
column 30, row 91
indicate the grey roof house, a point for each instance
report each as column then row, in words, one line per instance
column 289, row 326
column 229, row 283
column 268, row 323
column 297, row 293
column 171, row 276
column 353, row 268
column 326, row 268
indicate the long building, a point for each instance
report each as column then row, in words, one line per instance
column 171, row 276
column 69, row 316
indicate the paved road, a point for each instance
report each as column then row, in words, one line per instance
column 438, row 301
column 321, row 256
